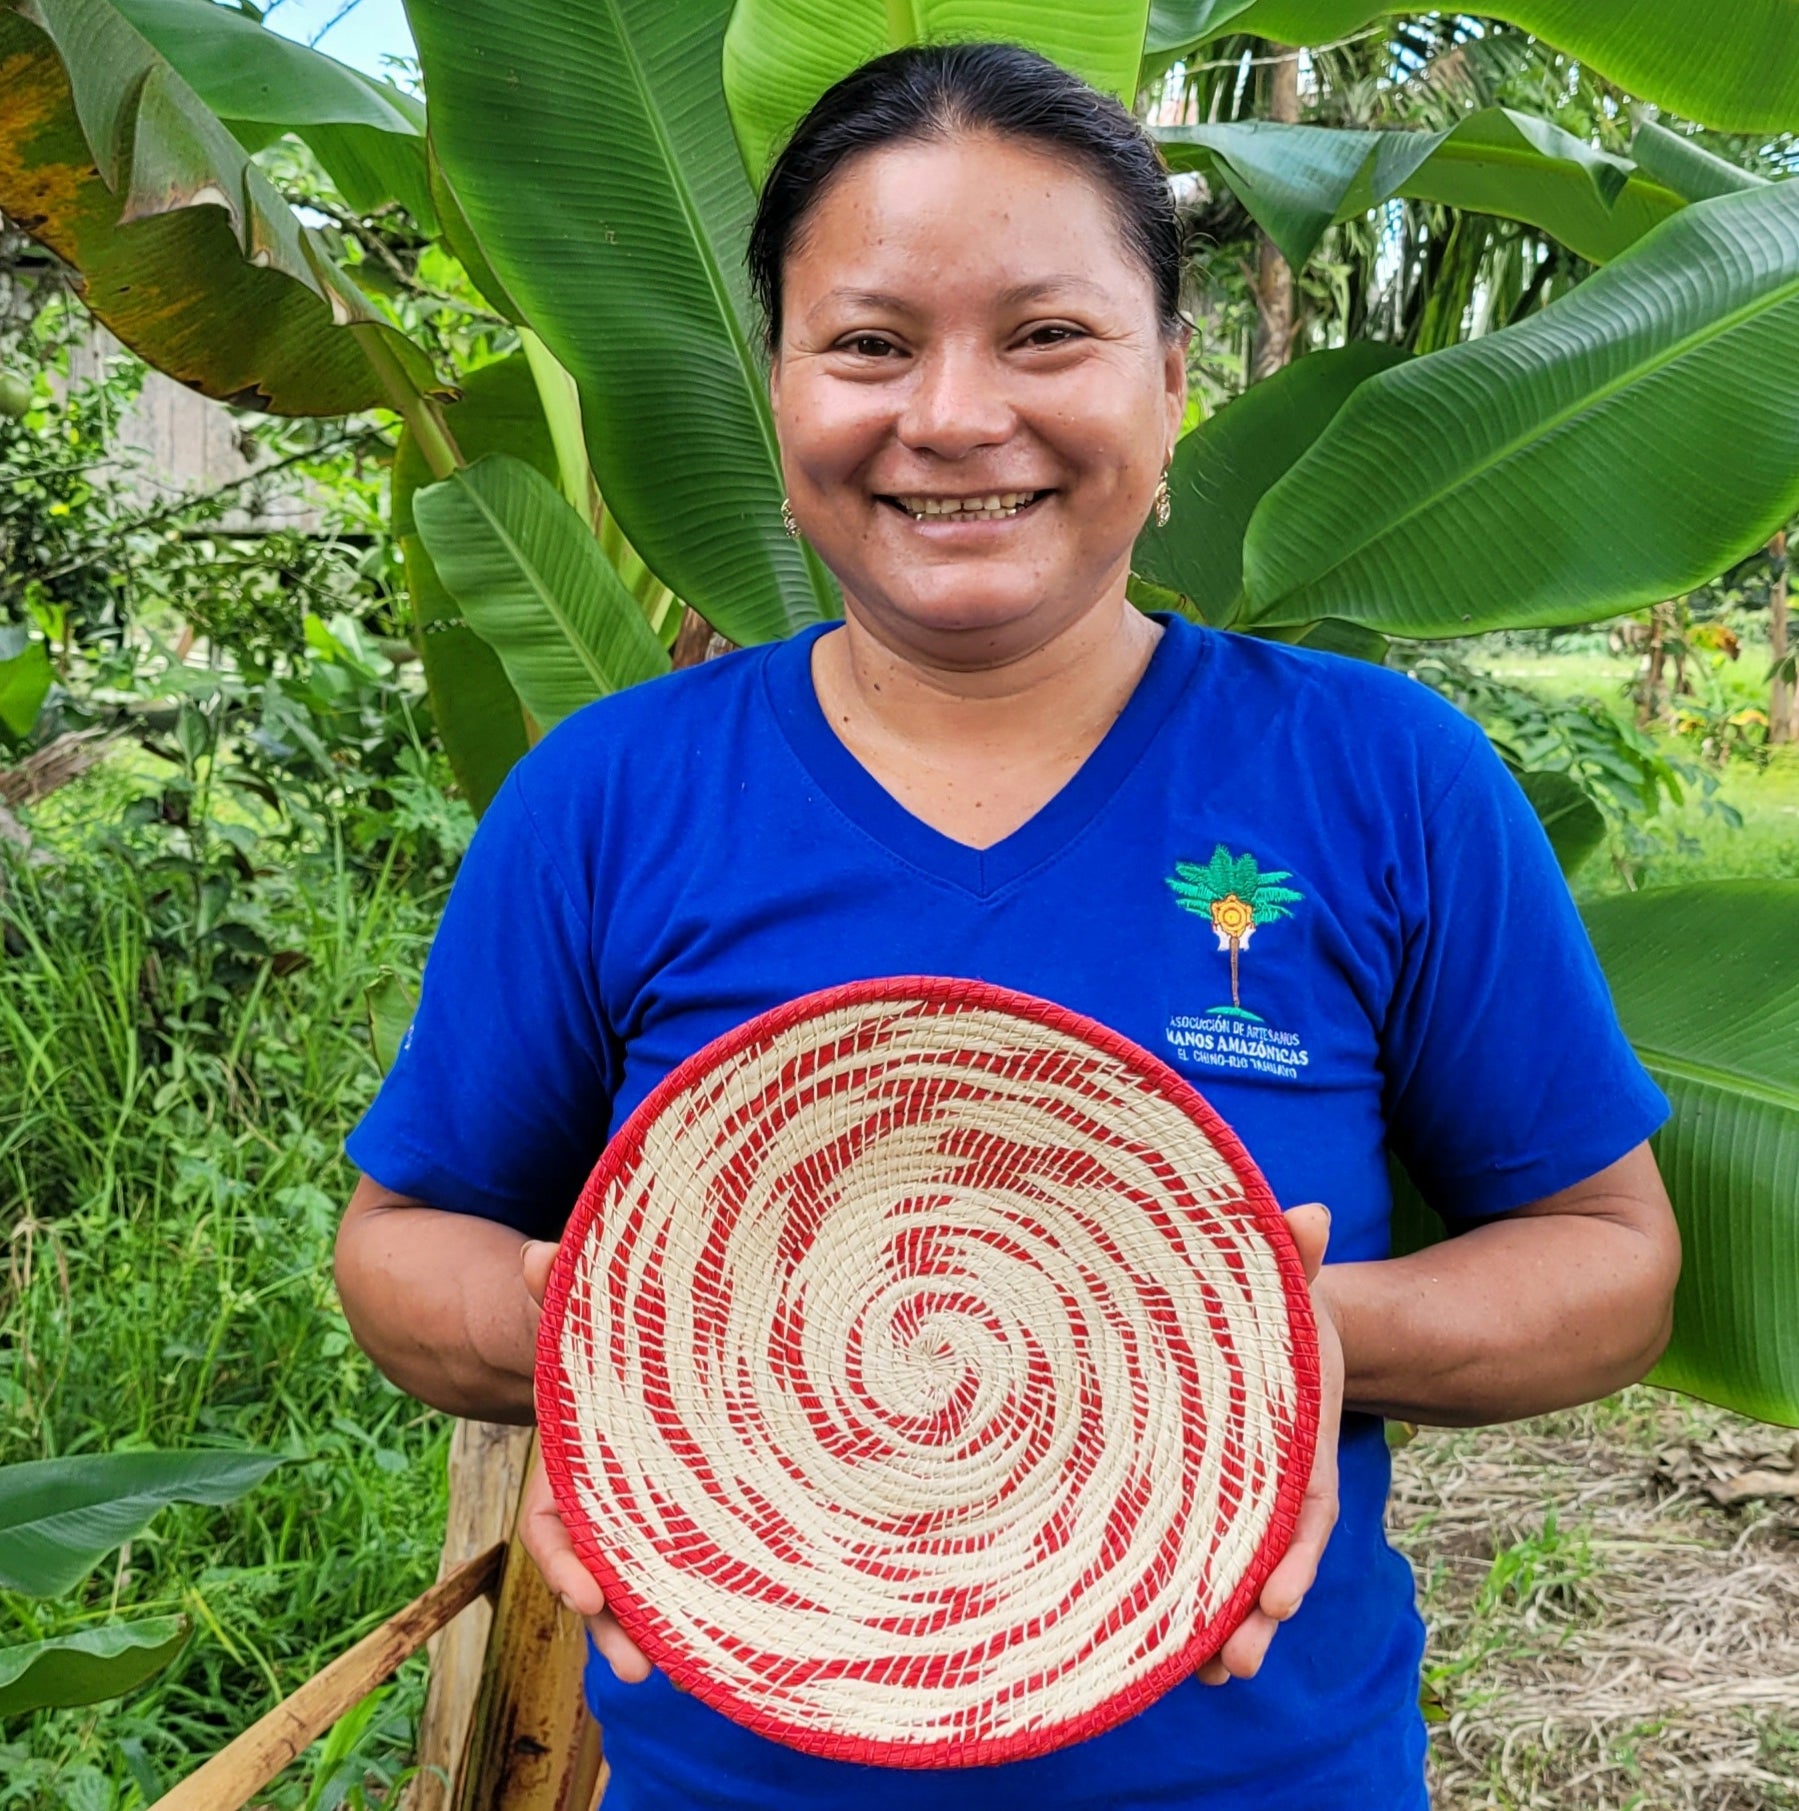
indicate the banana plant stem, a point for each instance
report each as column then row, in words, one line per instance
column 423, row 418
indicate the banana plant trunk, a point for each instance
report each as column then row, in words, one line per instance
column 1274, row 290
column 1783, row 695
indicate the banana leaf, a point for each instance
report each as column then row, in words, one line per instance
column 1626, row 444
column 183, row 248
column 369, row 135
column 1224, row 468
column 533, row 583
column 60, row 1517
column 1295, row 180
column 1685, row 166
column 589, row 145
column 477, row 712
column 781, row 55
column 87, row 1666
column 1708, row 991
column 1735, row 67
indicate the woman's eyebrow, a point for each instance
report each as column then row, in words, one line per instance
column 861, row 298
column 1040, row 287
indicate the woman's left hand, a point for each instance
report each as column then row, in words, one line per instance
column 1241, row 1656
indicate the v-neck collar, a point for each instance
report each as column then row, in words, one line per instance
column 982, row 872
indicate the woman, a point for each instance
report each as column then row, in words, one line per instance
column 996, row 767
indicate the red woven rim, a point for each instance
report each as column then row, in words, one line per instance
column 661, row 1640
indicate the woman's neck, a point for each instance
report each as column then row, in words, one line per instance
column 977, row 750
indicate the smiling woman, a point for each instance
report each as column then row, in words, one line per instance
column 996, row 769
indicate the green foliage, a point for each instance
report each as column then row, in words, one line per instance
column 534, row 585
column 1649, row 353
column 1706, row 989
column 781, row 55
column 1297, row 179
column 188, row 254
column 174, row 1177
column 60, row 1517
column 608, row 194
column 1223, row 469
column 87, row 1666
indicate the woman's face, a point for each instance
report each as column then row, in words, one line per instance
column 973, row 393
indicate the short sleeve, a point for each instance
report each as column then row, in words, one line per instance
column 1507, row 1074
column 498, row 1101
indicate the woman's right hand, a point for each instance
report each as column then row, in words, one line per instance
column 546, row 1539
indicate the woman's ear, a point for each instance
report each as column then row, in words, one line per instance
column 1174, row 373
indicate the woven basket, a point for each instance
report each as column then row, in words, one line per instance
column 927, row 1376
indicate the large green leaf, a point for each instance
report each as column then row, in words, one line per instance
column 369, row 135
column 477, row 712
column 60, row 1517
column 1296, row 180
column 589, row 145
column 1224, row 468
column 1177, row 26
column 183, row 247
column 1735, row 67
column 1573, row 823
column 781, row 55
column 25, row 680
column 1708, row 989
column 1685, row 166
column 86, row 1667
column 1626, row 444
column 533, row 583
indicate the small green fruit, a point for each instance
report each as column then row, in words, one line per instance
column 15, row 394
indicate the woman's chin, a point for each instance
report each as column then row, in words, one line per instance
column 975, row 610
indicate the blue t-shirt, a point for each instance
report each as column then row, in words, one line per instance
column 675, row 859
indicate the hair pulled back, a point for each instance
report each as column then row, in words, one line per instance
column 941, row 91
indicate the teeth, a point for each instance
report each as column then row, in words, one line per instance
column 996, row 505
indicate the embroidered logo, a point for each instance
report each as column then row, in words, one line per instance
column 1237, row 896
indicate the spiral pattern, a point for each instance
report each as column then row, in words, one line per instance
column 927, row 1376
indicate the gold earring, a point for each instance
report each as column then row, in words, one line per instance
column 1164, row 502
column 787, row 521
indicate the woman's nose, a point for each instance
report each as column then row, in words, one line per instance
column 956, row 403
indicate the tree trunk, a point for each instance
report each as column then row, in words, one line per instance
column 1276, row 322
column 1236, row 999
column 1783, row 695
column 487, row 1470
column 1654, row 697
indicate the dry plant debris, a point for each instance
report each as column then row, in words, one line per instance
column 1613, row 1599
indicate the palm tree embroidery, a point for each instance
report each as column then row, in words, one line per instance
column 1234, row 893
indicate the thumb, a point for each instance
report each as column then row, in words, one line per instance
column 1310, row 1226
column 535, row 1257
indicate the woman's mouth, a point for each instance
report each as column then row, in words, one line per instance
column 985, row 506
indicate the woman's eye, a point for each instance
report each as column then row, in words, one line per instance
column 1055, row 335
column 869, row 345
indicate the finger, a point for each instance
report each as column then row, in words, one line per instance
column 536, row 1257
column 1242, row 1655
column 1310, row 1226
column 629, row 1663
column 1293, row 1577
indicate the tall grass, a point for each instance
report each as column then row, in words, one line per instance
column 170, row 1158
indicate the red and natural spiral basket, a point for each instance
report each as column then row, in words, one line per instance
column 927, row 1376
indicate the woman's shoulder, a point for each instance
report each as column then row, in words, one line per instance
column 1333, row 700
column 674, row 709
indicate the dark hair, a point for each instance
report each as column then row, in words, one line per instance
column 937, row 91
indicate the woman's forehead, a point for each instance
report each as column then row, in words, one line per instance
column 1009, row 217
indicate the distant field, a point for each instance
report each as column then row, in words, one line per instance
column 1701, row 845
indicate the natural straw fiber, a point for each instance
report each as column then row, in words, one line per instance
column 927, row 1376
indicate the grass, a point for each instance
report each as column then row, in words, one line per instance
column 172, row 1152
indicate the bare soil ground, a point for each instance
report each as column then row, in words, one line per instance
column 1606, row 1634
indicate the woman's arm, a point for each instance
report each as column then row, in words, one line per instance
column 1559, row 1302
column 439, row 1302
